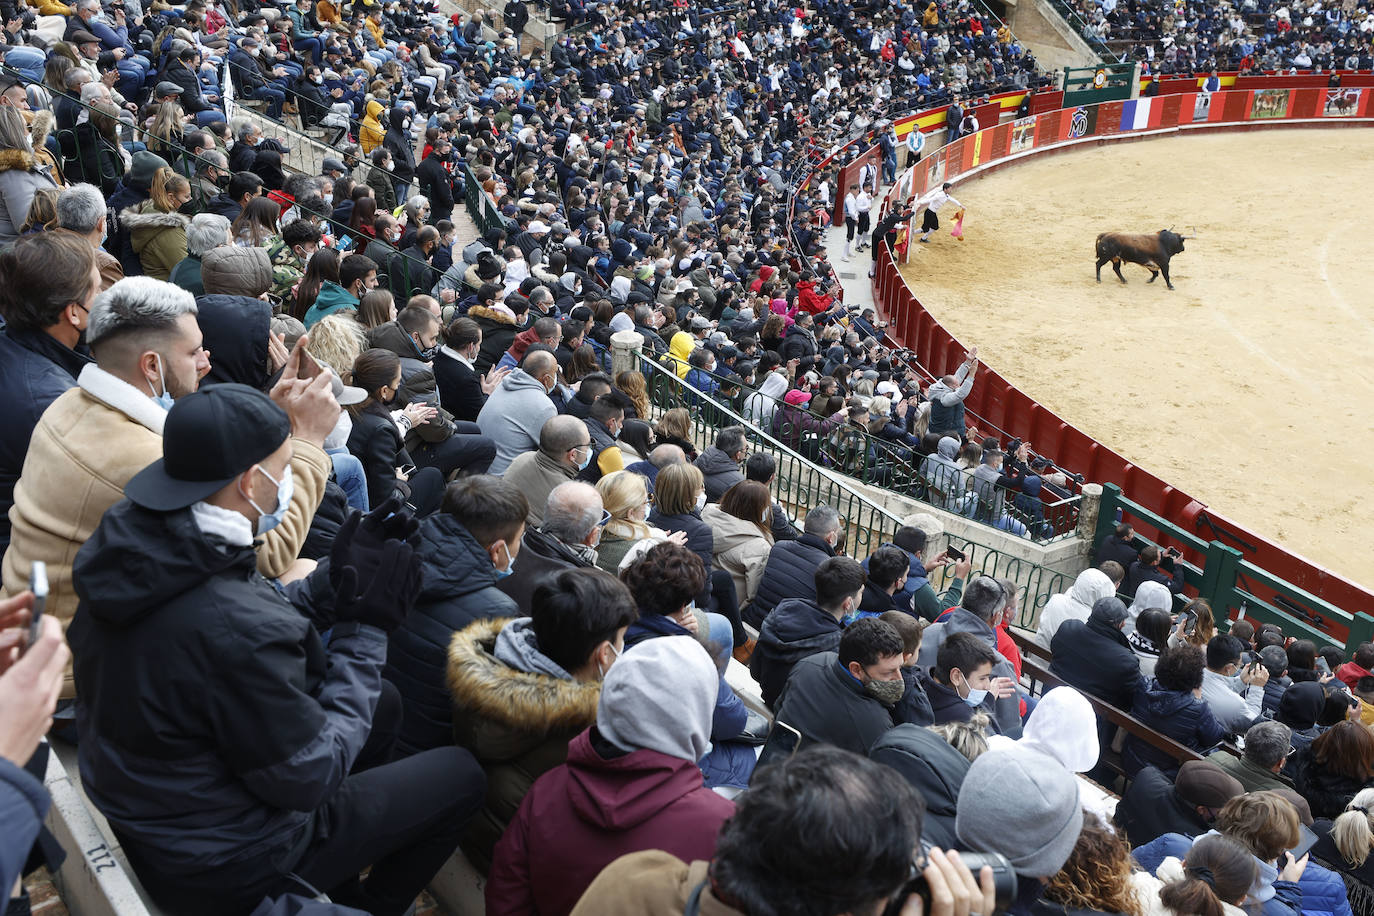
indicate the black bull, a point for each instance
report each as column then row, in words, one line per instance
column 1150, row 250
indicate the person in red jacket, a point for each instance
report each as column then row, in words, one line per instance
column 1361, row 666
column 631, row 783
column 809, row 299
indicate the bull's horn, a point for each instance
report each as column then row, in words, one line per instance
column 1194, row 235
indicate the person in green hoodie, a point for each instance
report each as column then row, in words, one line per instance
column 357, row 275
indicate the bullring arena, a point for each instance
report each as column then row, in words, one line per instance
column 1249, row 385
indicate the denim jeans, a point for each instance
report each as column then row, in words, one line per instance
column 348, row 473
column 721, row 637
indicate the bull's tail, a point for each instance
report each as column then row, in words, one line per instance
column 1098, row 245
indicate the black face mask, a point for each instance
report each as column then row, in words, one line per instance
column 221, row 181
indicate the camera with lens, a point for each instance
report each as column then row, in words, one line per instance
column 1003, row 880
column 1014, row 445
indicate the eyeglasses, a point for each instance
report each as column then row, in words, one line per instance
column 605, row 518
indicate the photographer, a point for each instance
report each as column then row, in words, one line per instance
column 802, row 843
column 1154, row 566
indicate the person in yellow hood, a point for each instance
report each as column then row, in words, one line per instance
column 372, row 132
column 684, row 342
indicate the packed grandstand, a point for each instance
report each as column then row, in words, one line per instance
column 389, row 384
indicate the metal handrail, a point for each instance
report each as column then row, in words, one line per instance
column 800, row 485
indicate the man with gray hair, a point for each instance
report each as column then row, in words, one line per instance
column 720, row 463
column 1267, row 746
column 573, row 516
column 81, row 210
column 92, row 439
column 979, row 611
column 791, row 568
column 207, row 232
column 565, row 447
column 212, row 177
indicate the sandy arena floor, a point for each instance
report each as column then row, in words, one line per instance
column 1250, row 386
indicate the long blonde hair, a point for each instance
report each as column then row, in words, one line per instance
column 1353, row 831
column 336, row 341
column 622, row 492
column 631, row 383
column 166, row 184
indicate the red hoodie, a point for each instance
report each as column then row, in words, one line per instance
column 583, row 815
column 523, row 341
column 1350, row 674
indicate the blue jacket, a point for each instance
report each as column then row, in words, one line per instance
column 23, row 805
column 459, row 587
column 35, row 370
column 1178, row 714
column 1320, row 891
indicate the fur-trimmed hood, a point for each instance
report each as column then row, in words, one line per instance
column 486, row 688
column 147, row 216
column 481, row 311
column 17, row 160
column 40, row 128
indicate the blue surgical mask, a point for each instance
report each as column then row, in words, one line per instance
column 586, row 459
column 975, row 697
column 269, row 520
column 510, row 565
column 163, row 400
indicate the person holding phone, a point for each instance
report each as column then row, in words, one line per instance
column 1235, row 705
column 376, row 437
column 33, row 658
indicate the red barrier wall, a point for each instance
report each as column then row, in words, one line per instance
column 999, row 402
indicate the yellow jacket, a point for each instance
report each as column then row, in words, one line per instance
column 51, row 8
column 372, row 134
column 327, row 12
column 679, row 348
column 376, row 29
column 85, row 448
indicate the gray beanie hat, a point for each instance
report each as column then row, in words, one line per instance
column 1024, row 805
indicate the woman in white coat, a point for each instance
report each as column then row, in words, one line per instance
column 741, row 526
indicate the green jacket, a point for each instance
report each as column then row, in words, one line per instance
column 187, row 275
column 332, row 298
column 159, row 239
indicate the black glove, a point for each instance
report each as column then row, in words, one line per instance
column 374, row 567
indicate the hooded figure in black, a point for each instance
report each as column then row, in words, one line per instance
column 397, row 142
column 236, row 323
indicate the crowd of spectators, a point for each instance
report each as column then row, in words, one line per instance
column 357, row 552
column 1248, row 36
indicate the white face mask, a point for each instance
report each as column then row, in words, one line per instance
column 701, row 501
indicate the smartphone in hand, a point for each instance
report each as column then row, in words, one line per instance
column 38, row 584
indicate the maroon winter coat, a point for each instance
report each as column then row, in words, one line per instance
column 582, row 816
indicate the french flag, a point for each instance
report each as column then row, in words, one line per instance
column 1139, row 114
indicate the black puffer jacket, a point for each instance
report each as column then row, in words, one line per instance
column 459, row 588
column 790, row 573
column 246, row 724
column 797, row 628
column 934, row 769
column 1151, row 808
column 1176, row 713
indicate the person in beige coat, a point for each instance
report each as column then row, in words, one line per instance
column 741, row 525
column 95, row 437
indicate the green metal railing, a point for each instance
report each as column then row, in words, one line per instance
column 481, row 207
column 1230, row 583
column 891, row 465
column 801, row 484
